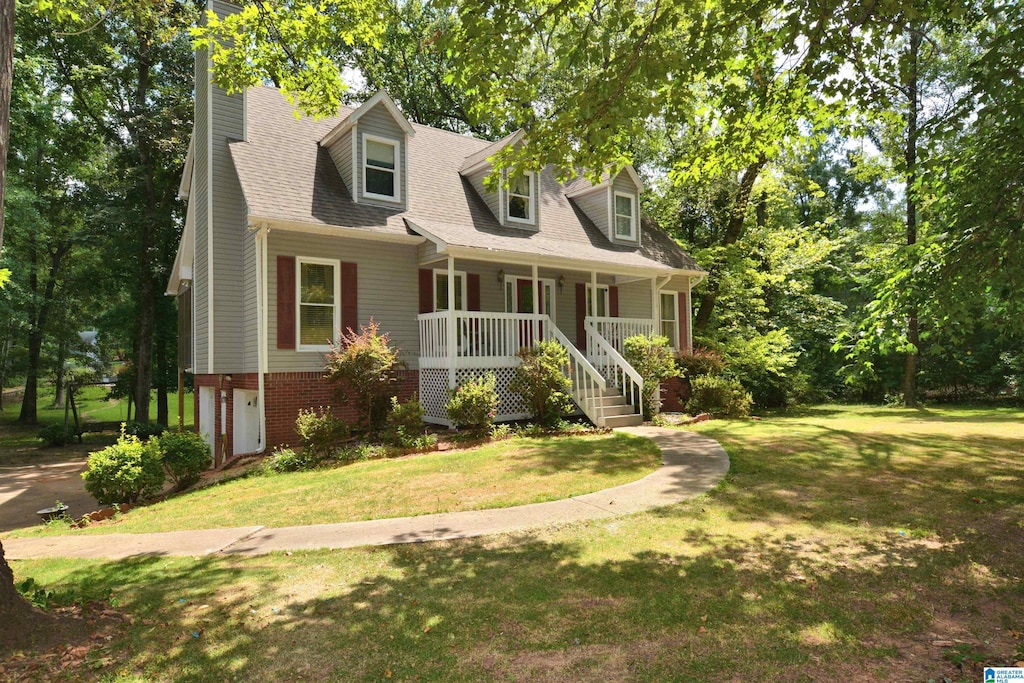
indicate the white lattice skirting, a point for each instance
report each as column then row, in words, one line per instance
column 434, row 393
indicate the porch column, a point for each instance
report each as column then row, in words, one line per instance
column 535, row 326
column 452, row 336
column 655, row 306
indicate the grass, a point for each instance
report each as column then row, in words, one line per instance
column 20, row 442
column 503, row 474
column 844, row 542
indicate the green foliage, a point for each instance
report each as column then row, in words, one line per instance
column 321, row 433
column 541, row 381
column 58, row 435
column 284, row 459
column 701, row 362
column 35, row 593
column 765, row 365
column 124, row 472
column 184, row 454
column 144, row 430
column 405, row 427
column 364, row 368
column 652, row 357
column 719, row 396
column 473, row 405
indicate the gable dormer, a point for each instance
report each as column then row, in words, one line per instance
column 613, row 205
column 371, row 150
column 516, row 200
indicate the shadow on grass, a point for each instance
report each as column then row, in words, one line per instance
column 610, row 455
column 748, row 608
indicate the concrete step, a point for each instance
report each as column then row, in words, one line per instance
column 633, row 420
column 624, row 409
column 609, row 401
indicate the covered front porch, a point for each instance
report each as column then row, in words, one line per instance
column 503, row 306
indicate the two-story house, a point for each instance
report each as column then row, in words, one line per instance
column 297, row 228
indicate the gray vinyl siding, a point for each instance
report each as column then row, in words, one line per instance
column 388, row 291
column 623, row 183
column 378, row 121
column 428, row 250
column 199, row 197
column 250, row 306
column 595, row 205
column 229, row 232
column 476, row 179
column 341, row 152
column 635, row 299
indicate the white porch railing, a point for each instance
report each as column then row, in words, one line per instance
column 588, row 384
column 617, row 330
column 482, row 340
column 613, row 367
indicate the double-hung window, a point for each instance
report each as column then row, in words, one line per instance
column 625, row 216
column 441, row 290
column 318, row 313
column 381, row 168
column 670, row 318
column 519, row 202
column 597, row 306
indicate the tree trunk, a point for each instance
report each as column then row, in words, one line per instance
column 913, row 332
column 58, row 375
column 6, row 79
column 162, row 412
column 733, row 231
column 38, row 316
column 21, row 624
column 147, row 281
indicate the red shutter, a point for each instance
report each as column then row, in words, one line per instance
column 581, row 316
column 473, row 291
column 286, row 302
column 613, row 302
column 684, row 321
column 349, row 298
column 426, row 290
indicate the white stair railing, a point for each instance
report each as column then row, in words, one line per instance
column 615, row 368
column 617, row 330
column 588, row 385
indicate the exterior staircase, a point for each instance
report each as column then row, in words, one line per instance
column 617, row 411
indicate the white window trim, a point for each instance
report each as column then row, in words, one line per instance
column 444, row 271
column 549, row 282
column 530, row 218
column 674, row 343
column 607, row 301
column 632, row 219
column 397, row 199
column 299, row 261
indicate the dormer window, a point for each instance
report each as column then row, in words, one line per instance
column 625, row 216
column 519, row 202
column 381, row 168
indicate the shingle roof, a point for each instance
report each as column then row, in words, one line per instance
column 286, row 175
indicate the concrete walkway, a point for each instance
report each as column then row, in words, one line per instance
column 692, row 464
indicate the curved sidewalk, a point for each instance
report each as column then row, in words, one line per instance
column 691, row 464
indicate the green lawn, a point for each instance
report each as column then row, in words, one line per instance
column 502, row 474
column 844, row 543
column 17, row 441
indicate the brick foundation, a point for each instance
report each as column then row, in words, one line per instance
column 675, row 392
column 285, row 394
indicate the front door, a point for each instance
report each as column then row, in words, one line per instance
column 519, row 299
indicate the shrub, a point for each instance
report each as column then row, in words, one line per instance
column 185, row 455
column 320, row 432
column 766, row 365
column 541, row 382
column 364, row 367
column 58, row 435
column 474, row 404
column 719, row 396
column 700, row 362
column 652, row 358
column 405, row 424
column 284, row 459
column 144, row 430
column 124, row 472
